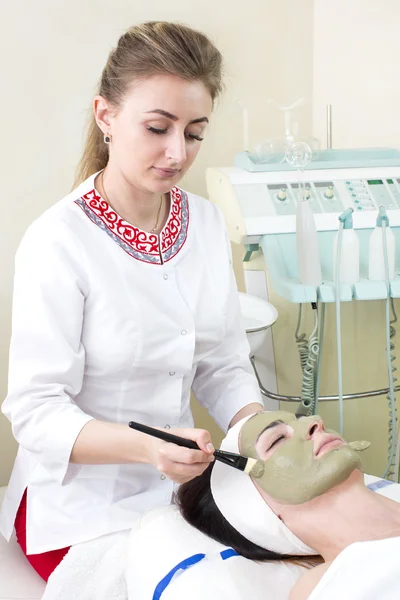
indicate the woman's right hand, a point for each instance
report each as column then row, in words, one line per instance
column 177, row 463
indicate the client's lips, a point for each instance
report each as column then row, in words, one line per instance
column 330, row 440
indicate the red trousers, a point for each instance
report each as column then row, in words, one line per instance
column 43, row 563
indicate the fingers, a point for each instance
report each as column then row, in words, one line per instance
column 181, row 472
column 183, row 464
column 184, row 455
column 202, row 438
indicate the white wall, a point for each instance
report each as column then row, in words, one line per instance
column 356, row 69
column 53, row 52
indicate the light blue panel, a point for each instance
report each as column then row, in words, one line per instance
column 281, row 259
column 363, row 236
column 280, row 256
column 365, row 289
column 370, row 290
column 324, row 159
column 327, row 292
column 395, row 287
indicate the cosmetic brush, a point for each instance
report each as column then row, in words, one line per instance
column 251, row 466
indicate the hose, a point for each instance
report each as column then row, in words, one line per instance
column 390, row 348
column 338, row 325
column 397, row 459
column 392, row 469
column 321, row 342
column 309, row 352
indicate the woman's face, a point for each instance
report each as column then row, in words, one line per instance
column 302, row 460
column 157, row 132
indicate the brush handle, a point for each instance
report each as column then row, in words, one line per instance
column 164, row 435
column 229, row 458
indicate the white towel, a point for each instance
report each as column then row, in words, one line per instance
column 131, row 564
column 363, row 571
column 163, row 540
column 93, row 570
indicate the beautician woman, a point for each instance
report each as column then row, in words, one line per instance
column 124, row 300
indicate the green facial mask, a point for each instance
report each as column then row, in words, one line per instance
column 292, row 474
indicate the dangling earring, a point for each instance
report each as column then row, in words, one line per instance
column 107, row 138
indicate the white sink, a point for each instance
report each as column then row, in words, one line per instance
column 257, row 317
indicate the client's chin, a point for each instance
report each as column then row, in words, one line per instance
column 338, row 466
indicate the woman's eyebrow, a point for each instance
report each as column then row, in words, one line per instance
column 273, row 424
column 169, row 115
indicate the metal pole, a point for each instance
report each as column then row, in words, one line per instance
column 329, row 126
column 278, row 397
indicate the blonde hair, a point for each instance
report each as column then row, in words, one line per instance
column 148, row 49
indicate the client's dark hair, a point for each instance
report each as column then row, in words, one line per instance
column 198, row 508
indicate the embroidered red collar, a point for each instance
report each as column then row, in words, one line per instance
column 138, row 243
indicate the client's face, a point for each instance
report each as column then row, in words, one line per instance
column 301, row 459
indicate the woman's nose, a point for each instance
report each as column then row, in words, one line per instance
column 315, row 426
column 176, row 150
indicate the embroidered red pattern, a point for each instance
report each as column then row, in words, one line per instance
column 173, row 227
column 139, row 240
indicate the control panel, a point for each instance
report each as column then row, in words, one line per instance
column 332, row 196
column 256, row 204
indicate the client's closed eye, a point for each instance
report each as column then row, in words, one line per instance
column 278, row 439
column 273, row 436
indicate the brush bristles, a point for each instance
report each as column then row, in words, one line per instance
column 251, row 463
column 255, row 468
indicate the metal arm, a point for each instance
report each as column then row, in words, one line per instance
column 278, row 397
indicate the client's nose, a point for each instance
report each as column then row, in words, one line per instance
column 315, row 426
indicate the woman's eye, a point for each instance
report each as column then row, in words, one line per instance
column 155, row 130
column 281, row 437
column 160, row 131
column 192, row 136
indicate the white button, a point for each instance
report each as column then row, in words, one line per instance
column 165, row 276
column 183, row 332
column 167, row 426
column 162, row 477
column 282, row 194
column 172, row 373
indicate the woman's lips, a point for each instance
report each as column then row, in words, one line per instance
column 328, row 444
column 166, row 173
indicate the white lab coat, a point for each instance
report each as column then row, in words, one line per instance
column 104, row 328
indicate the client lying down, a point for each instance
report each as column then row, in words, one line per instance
column 250, row 538
column 309, row 498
